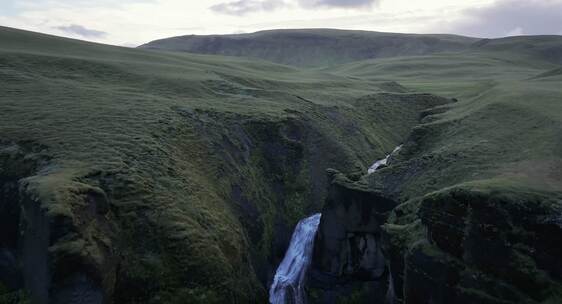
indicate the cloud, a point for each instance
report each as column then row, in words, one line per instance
column 243, row 7
column 337, row 3
column 81, row 31
column 511, row 17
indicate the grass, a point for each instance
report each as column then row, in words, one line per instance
column 313, row 47
column 505, row 125
column 145, row 151
column 206, row 162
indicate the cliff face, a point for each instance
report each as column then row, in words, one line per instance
column 459, row 229
column 348, row 253
column 478, row 246
column 348, row 241
column 467, row 244
column 58, row 255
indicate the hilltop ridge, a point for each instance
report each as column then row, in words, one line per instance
column 313, row 47
column 328, row 47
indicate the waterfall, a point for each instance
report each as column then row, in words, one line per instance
column 289, row 280
column 383, row 162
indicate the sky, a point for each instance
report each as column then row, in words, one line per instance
column 134, row 22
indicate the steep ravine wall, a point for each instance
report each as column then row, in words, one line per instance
column 62, row 243
column 22, row 263
column 348, row 261
column 267, row 166
column 205, row 217
column 474, row 242
column 274, row 168
column 465, row 244
column 473, row 245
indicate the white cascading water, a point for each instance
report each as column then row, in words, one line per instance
column 289, row 280
column 382, row 162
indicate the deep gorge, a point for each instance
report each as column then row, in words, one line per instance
column 132, row 175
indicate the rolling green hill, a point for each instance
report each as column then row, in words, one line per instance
column 152, row 176
column 327, row 47
column 507, row 122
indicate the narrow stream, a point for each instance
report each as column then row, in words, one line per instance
column 384, row 161
column 289, row 280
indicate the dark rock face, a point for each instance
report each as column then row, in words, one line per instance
column 348, row 248
column 478, row 247
column 39, row 252
column 22, row 248
column 460, row 245
column 34, row 250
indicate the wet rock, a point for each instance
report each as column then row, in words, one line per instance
column 348, row 240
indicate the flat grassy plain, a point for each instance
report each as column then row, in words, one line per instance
column 168, row 176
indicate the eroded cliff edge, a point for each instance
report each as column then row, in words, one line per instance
column 348, row 260
column 204, row 215
column 465, row 244
column 387, row 238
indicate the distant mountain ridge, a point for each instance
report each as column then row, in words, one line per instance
column 314, row 47
column 328, row 47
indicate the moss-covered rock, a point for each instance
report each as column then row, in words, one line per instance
column 473, row 244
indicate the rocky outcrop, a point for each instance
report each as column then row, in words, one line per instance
column 469, row 245
column 56, row 252
column 348, row 248
column 23, row 247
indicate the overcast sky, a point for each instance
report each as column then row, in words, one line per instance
column 133, row 22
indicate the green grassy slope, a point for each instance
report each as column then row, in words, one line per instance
column 167, row 177
column 480, row 179
column 506, row 125
column 314, row 47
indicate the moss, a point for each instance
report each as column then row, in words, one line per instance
column 13, row 297
column 195, row 295
column 555, row 295
column 359, row 295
